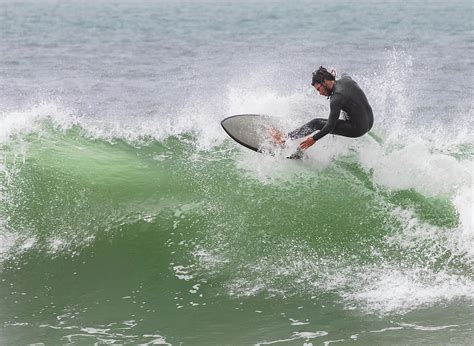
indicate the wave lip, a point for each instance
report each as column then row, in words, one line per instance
column 29, row 121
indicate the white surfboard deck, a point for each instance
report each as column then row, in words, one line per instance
column 254, row 132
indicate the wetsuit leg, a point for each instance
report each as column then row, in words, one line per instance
column 307, row 129
column 343, row 128
column 347, row 129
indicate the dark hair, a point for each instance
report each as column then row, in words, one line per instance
column 320, row 75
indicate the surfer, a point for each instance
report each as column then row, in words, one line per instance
column 344, row 95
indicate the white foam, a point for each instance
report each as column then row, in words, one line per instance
column 416, row 166
column 211, row 260
column 427, row 328
column 7, row 241
column 270, row 169
column 307, row 336
column 389, row 289
column 266, row 168
column 416, row 280
column 26, row 121
column 12, row 245
column 194, row 119
column 434, row 242
column 464, row 203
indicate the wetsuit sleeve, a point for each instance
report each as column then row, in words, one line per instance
column 335, row 111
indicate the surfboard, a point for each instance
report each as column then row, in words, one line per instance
column 253, row 131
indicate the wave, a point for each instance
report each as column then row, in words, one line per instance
column 386, row 226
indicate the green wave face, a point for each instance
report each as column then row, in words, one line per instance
column 111, row 240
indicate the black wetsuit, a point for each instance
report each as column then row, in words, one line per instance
column 348, row 97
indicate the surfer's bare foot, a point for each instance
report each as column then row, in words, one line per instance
column 278, row 136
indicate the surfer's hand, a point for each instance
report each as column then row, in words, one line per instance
column 278, row 137
column 307, row 143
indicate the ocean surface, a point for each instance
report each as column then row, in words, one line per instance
column 128, row 216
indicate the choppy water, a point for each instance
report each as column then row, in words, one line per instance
column 128, row 216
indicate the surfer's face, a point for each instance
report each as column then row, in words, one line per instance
column 323, row 88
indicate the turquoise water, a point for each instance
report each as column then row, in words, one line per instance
column 127, row 215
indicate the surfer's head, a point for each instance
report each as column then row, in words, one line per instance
column 323, row 81
column 320, row 75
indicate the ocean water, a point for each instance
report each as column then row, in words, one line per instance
column 127, row 215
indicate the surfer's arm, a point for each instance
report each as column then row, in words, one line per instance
column 335, row 111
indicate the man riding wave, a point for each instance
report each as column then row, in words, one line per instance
column 345, row 95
